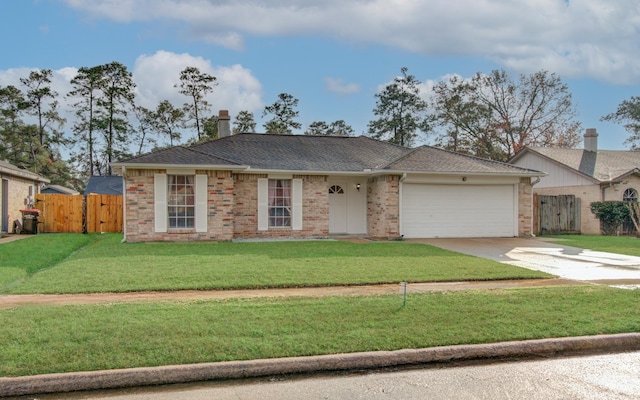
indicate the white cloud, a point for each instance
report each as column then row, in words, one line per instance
column 237, row 89
column 338, row 86
column 155, row 76
column 586, row 38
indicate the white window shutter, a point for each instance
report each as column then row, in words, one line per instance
column 201, row 203
column 296, row 197
column 263, row 204
column 160, row 202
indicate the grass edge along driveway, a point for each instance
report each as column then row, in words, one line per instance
column 101, row 263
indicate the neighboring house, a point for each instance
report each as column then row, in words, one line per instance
column 17, row 192
column 104, row 185
column 589, row 174
column 57, row 189
column 294, row 186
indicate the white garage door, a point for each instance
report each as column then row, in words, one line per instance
column 458, row 211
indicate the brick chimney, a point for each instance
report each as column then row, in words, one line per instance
column 224, row 125
column 591, row 140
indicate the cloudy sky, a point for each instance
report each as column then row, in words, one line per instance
column 332, row 55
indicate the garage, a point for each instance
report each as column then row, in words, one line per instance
column 441, row 210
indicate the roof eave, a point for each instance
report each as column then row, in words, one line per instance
column 24, row 174
column 235, row 168
column 522, row 174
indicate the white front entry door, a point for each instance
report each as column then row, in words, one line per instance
column 337, row 208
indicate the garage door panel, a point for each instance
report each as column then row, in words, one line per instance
column 457, row 211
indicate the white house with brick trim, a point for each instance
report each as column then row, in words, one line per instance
column 292, row 186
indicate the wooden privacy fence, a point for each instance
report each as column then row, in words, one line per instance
column 556, row 215
column 77, row 214
column 59, row 213
column 103, row 213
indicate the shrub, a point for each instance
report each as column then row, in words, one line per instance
column 612, row 214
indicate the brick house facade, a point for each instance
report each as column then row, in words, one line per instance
column 255, row 186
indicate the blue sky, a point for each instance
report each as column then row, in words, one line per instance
column 332, row 55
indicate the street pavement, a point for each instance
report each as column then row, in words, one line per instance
column 610, row 376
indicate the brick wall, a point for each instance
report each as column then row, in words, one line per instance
column 383, row 207
column 246, row 205
column 140, row 213
column 315, row 208
column 232, row 208
column 220, row 205
column 525, row 209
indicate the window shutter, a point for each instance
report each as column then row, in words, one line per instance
column 201, row 203
column 296, row 198
column 160, row 202
column 263, row 204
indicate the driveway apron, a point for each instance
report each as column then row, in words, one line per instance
column 563, row 261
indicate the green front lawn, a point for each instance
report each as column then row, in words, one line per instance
column 36, row 340
column 611, row 244
column 104, row 264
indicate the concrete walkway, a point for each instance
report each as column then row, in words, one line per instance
column 563, row 261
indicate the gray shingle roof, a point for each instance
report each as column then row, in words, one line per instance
column 603, row 165
column 323, row 153
column 432, row 159
column 178, row 155
column 104, row 185
column 304, row 153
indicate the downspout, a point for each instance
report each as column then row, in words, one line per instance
column 124, row 204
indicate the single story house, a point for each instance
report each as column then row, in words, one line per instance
column 589, row 174
column 111, row 185
column 273, row 186
column 17, row 192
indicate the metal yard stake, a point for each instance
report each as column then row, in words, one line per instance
column 404, row 294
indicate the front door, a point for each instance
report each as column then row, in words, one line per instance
column 337, row 209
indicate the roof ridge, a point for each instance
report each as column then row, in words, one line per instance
column 210, row 155
column 404, row 156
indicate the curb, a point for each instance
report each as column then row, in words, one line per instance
column 121, row 378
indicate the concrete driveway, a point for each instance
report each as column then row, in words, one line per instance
column 564, row 261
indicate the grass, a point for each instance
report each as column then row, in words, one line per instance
column 612, row 244
column 48, row 339
column 23, row 258
column 106, row 265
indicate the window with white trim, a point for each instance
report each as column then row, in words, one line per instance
column 279, row 202
column 181, row 201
